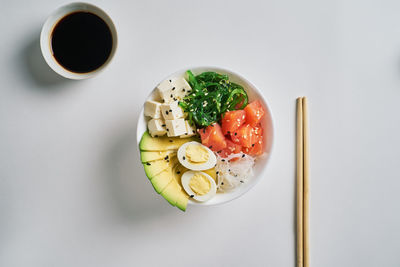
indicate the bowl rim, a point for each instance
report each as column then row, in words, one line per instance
column 257, row 178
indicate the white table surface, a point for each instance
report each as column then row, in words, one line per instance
column 72, row 192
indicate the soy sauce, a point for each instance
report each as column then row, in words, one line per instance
column 81, row 42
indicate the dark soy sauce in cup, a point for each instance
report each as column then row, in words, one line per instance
column 81, row 42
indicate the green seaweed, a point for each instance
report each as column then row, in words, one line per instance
column 211, row 96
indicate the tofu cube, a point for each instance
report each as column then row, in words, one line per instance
column 152, row 109
column 156, row 127
column 165, row 90
column 171, row 111
column 172, row 90
column 175, row 127
column 181, row 88
column 190, row 130
column 166, row 85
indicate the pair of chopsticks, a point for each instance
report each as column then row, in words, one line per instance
column 303, row 184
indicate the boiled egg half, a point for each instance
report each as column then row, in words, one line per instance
column 199, row 185
column 196, row 156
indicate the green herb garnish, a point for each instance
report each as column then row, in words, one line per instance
column 212, row 94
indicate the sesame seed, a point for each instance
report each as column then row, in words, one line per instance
column 235, row 133
column 167, row 130
column 166, row 157
column 223, row 160
column 210, row 147
column 178, row 172
column 243, row 155
column 148, row 163
column 219, row 151
column 217, row 172
column 242, row 182
column 170, row 81
column 183, row 157
column 166, row 112
column 172, row 96
column 252, row 145
column 183, row 90
column 222, row 183
column 173, row 88
column 171, row 141
column 163, row 125
column 191, row 196
column 170, row 110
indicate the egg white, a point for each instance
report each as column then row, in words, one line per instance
column 185, row 180
column 212, row 160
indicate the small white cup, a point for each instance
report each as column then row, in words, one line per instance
column 51, row 22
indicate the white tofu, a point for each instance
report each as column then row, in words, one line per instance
column 165, row 85
column 190, row 130
column 156, row 127
column 171, row 111
column 165, row 90
column 173, row 89
column 175, row 127
column 181, row 88
column 152, row 109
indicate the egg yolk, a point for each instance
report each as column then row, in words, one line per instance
column 199, row 184
column 196, row 154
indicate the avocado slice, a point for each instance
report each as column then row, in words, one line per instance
column 171, row 192
column 182, row 200
column 155, row 167
column 179, row 170
column 176, row 176
column 146, row 156
column 162, row 143
column 161, row 180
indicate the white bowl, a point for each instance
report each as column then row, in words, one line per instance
column 261, row 162
column 51, row 22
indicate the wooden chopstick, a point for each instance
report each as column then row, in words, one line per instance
column 303, row 184
column 299, row 207
column 306, row 186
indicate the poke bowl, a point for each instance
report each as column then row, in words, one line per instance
column 198, row 147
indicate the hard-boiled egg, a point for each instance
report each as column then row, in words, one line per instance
column 196, row 156
column 199, row 185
